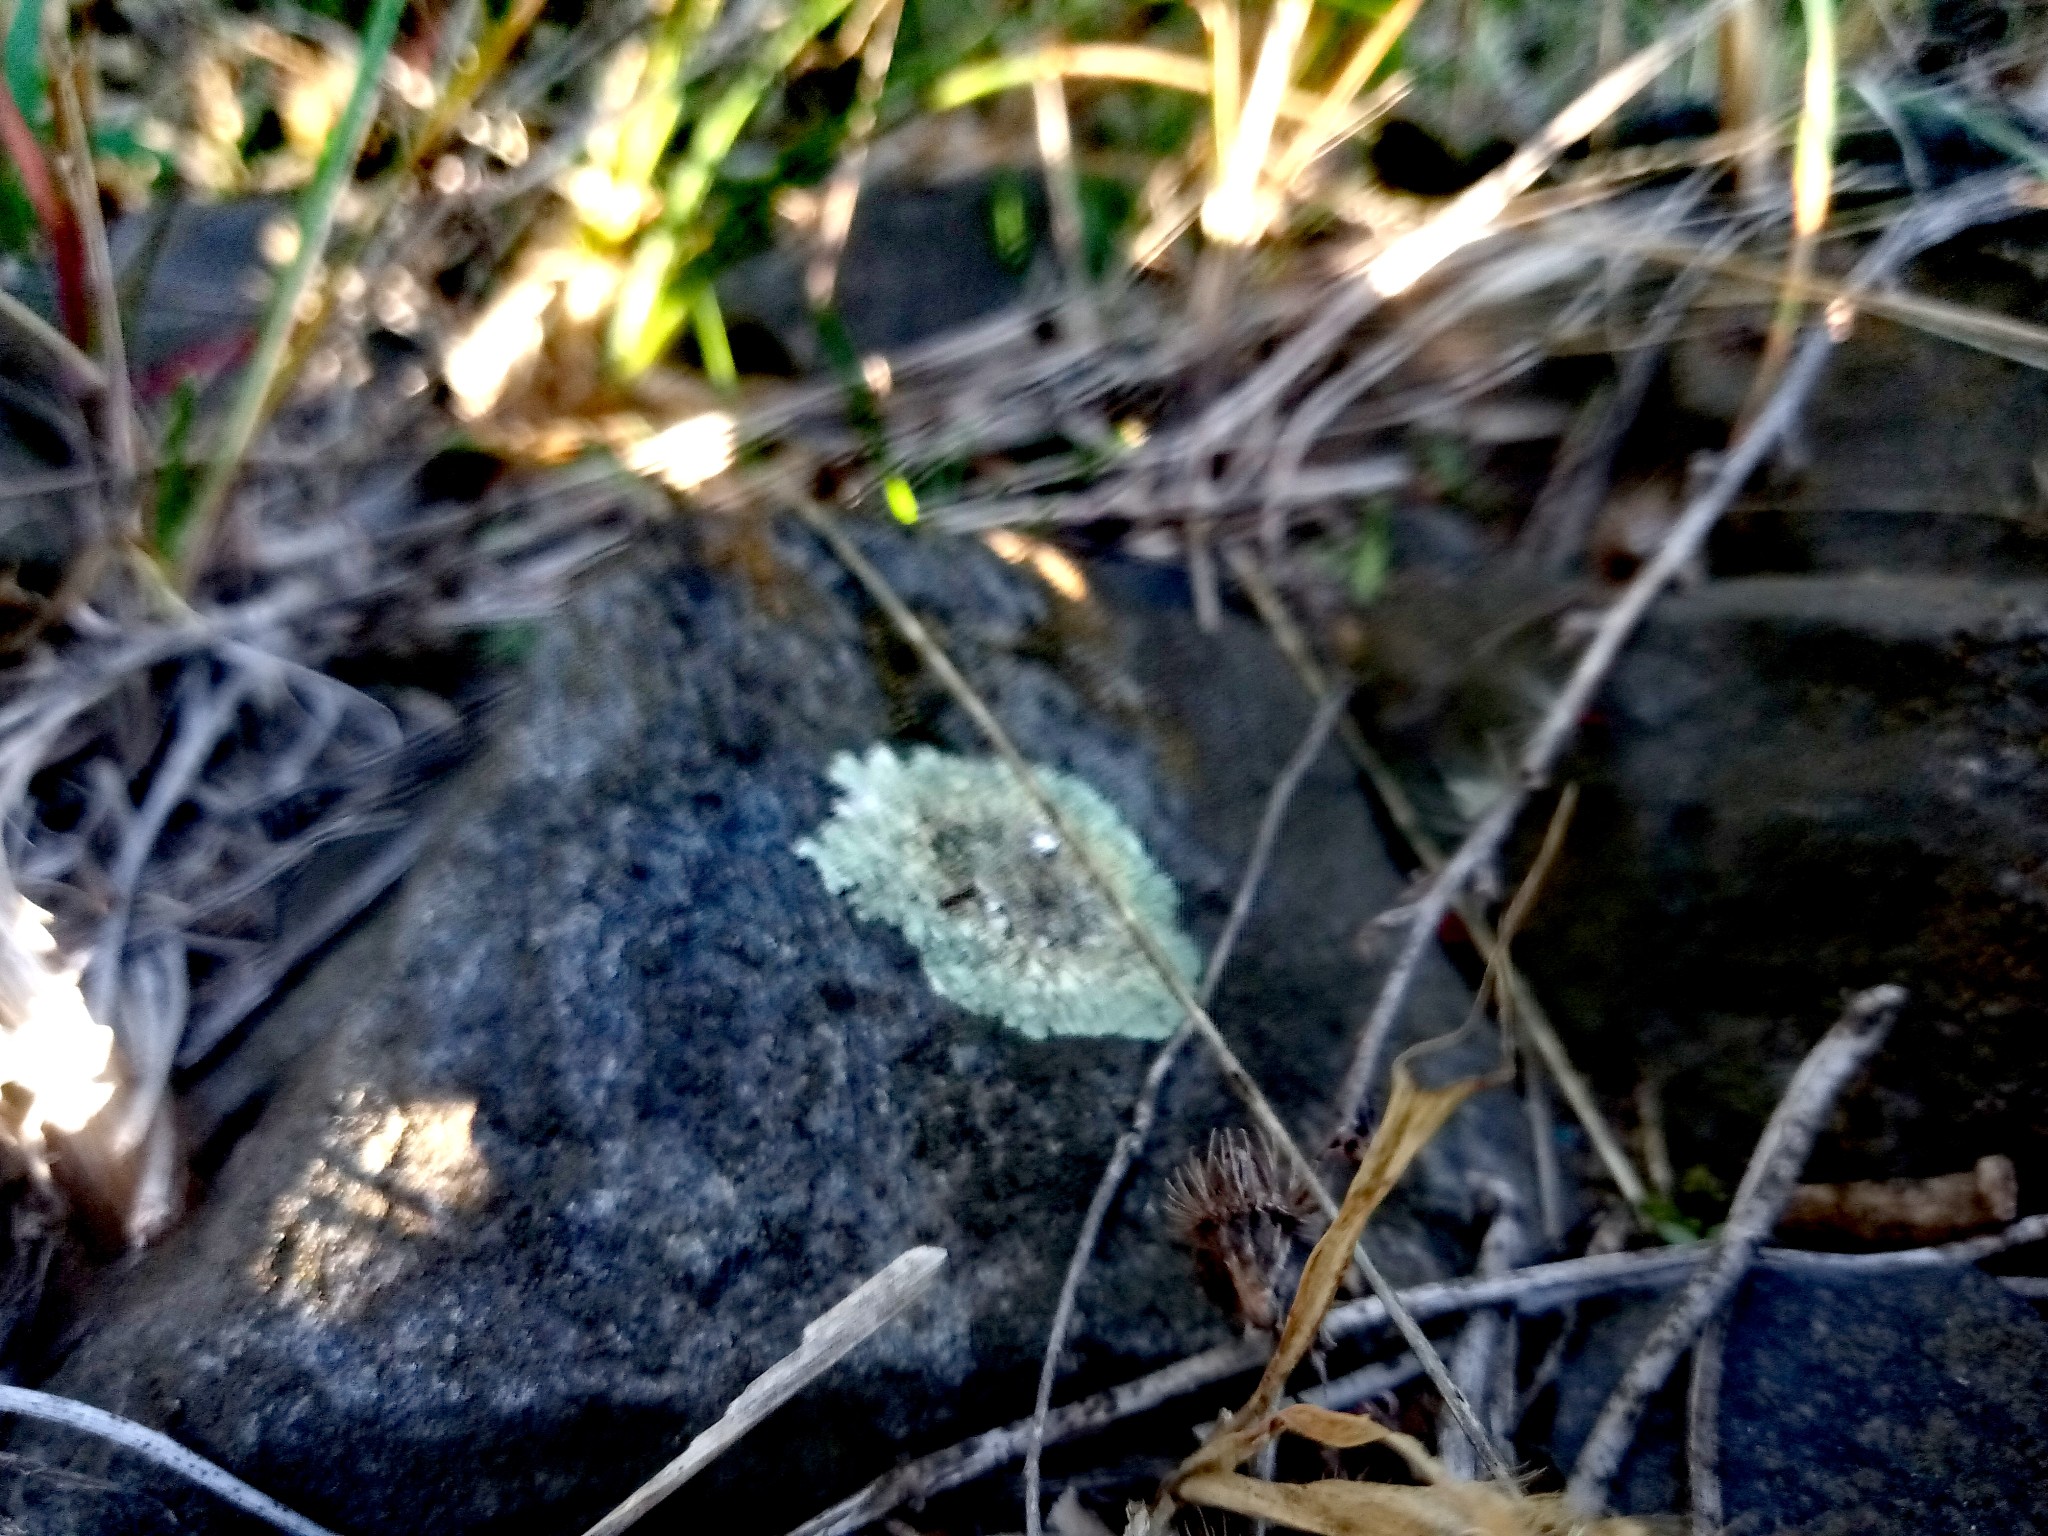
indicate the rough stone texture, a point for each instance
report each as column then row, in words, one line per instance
column 1911, row 1404
column 1897, row 1405
column 616, row 1096
column 1800, row 786
column 36, row 1497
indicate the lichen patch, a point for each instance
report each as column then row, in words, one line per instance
column 953, row 853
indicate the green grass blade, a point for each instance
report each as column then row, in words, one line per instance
column 317, row 209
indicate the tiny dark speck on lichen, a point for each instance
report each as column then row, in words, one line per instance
column 954, row 854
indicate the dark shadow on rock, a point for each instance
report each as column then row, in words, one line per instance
column 1800, row 786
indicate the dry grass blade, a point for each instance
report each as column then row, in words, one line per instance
column 1326, row 126
column 1703, row 1428
column 827, row 1341
column 316, row 216
column 159, row 1448
column 842, row 188
column 1337, row 1507
column 117, row 408
column 1813, row 169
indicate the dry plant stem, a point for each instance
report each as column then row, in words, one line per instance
column 1468, row 218
column 1063, row 194
column 1773, row 1169
column 1484, row 1353
column 1744, row 61
column 1220, row 19
column 117, row 424
column 1240, row 1082
column 1327, row 123
column 317, row 211
column 1537, row 1289
column 842, row 189
column 1703, row 1426
column 1931, row 221
column 78, row 373
column 1543, row 1143
column 1146, row 1109
column 158, row 1448
column 1530, row 1016
column 826, row 1341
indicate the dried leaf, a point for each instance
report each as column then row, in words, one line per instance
column 1326, row 1426
column 1335, row 1507
column 1414, row 1114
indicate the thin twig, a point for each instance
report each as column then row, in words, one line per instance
column 77, row 372
column 1532, row 1291
column 826, row 1341
column 1145, row 1110
column 1703, row 1427
column 117, row 407
column 1543, row 1144
column 1483, row 1360
column 1766, row 1184
column 1530, row 1016
column 156, row 1447
column 842, row 188
column 1937, row 219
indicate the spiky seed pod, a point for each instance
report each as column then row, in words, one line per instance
column 1238, row 1208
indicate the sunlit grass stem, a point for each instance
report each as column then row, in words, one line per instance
column 317, row 209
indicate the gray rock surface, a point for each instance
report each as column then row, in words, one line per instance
column 36, row 1497
column 1895, row 1405
column 1907, row 1404
column 615, row 1096
column 1796, row 786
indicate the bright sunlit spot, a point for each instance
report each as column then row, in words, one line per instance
column 684, row 456
column 1049, row 564
column 53, row 1058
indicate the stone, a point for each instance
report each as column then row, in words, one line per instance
column 40, row 1499
column 616, row 1094
column 1906, row 1404
column 1796, row 787
column 1884, row 1405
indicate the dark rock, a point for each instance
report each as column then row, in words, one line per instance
column 1800, row 786
column 1884, row 1405
column 39, row 1499
column 615, row 1095
column 919, row 261
column 1905, row 1404
column 1604, row 1338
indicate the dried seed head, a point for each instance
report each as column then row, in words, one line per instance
column 1238, row 1208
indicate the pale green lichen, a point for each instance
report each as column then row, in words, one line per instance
column 953, row 853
